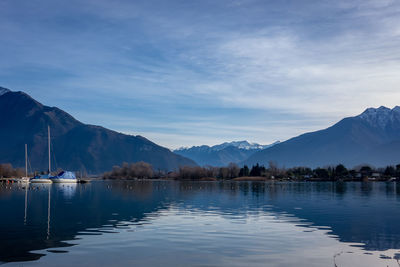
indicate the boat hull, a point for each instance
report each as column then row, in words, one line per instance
column 24, row 180
column 42, row 181
column 61, row 180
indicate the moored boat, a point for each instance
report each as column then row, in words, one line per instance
column 64, row 177
column 25, row 179
column 45, row 178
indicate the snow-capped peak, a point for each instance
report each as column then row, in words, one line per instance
column 239, row 144
column 381, row 117
column 3, row 91
column 242, row 145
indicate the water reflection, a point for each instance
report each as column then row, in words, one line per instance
column 67, row 190
column 41, row 217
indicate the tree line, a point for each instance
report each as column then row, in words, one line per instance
column 231, row 171
column 143, row 170
column 139, row 170
column 8, row 171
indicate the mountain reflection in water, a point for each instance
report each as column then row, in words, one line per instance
column 55, row 217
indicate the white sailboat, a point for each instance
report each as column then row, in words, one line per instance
column 26, row 178
column 64, row 176
column 46, row 177
column 42, row 179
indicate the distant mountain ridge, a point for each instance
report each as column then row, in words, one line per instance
column 242, row 145
column 76, row 146
column 3, row 90
column 372, row 137
column 222, row 154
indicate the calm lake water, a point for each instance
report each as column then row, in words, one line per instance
column 168, row 223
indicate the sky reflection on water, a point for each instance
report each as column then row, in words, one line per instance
column 201, row 224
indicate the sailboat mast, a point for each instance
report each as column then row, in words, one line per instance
column 26, row 160
column 48, row 132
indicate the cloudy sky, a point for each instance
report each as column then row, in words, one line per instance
column 185, row 73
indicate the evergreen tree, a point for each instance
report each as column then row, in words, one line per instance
column 244, row 171
column 341, row 171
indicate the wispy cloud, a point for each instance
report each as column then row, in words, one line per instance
column 185, row 73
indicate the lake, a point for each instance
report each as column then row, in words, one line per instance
column 172, row 223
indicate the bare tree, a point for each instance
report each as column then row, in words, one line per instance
column 128, row 171
column 233, row 170
column 7, row 170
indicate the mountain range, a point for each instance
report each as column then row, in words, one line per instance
column 75, row 145
column 222, row 154
column 372, row 137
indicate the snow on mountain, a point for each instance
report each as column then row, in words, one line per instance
column 381, row 117
column 242, row 145
column 222, row 154
column 238, row 144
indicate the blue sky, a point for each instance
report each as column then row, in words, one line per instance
column 185, row 73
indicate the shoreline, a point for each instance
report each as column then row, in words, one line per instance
column 249, row 179
column 212, row 179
